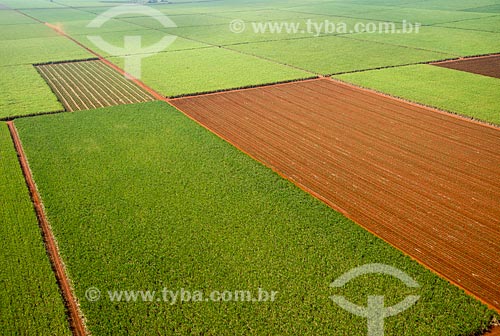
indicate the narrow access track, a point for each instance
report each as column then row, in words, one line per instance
column 75, row 318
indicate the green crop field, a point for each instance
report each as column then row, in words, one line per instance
column 194, row 71
column 489, row 24
column 25, row 92
column 146, row 199
column 464, row 93
column 332, row 54
column 79, row 27
column 148, row 37
column 29, row 298
column 458, row 42
column 140, row 197
column 25, row 31
column 10, row 17
column 40, row 50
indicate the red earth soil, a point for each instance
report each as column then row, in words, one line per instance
column 75, row 319
column 484, row 65
column 91, row 84
column 425, row 181
column 495, row 331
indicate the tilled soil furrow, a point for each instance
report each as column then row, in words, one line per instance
column 413, row 176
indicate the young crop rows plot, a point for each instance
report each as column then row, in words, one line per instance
column 91, row 84
column 427, row 182
column 486, row 65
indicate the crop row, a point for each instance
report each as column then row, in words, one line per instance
column 191, row 211
column 90, row 85
column 29, row 295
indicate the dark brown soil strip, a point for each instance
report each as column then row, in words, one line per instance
column 426, row 182
column 74, row 316
column 483, row 65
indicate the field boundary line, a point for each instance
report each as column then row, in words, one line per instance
column 158, row 96
column 154, row 93
column 243, row 88
column 74, row 314
column 331, row 204
column 420, row 105
column 464, row 58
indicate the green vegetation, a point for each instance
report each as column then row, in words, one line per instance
column 458, row 42
column 490, row 24
column 200, row 70
column 456, row 5
column 336, row 8
column 24, row 31
column 179, row 20
column 332, row 54
column 30, row 302
column 9, row 17
column 23, row 4
column 423, row 16
column 75, row 28
column 25, row 92
column 295, row 28
column 40, row 50
column 457, row 91
column 495, row 8
column 62, row 14
column 148, row 38
column 144, row 199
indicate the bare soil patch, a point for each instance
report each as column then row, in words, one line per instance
column 484, row 65
column 425, row 181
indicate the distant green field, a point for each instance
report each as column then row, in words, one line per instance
column 458, row 42
column 283, row 29
column 338, row 8
column 9, row 17
column 144, row 199
column 200, row 70
column 495, row 8
column 179, row 20
column 62, row 14
column 75, row 28
column 40, row 50
column 30, row 303
column 423, row 16
column 25, row 31
column 490, row 24
column 148, row 38
column 333, row 54
column 457, row 91
column 25, row 92
column 456, row 5
column 23, row 4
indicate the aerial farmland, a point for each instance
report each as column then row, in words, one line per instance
column 250, row 167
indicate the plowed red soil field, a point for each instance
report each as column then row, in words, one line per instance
column 484, row 65
column 91, row 84
column 424, row 181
